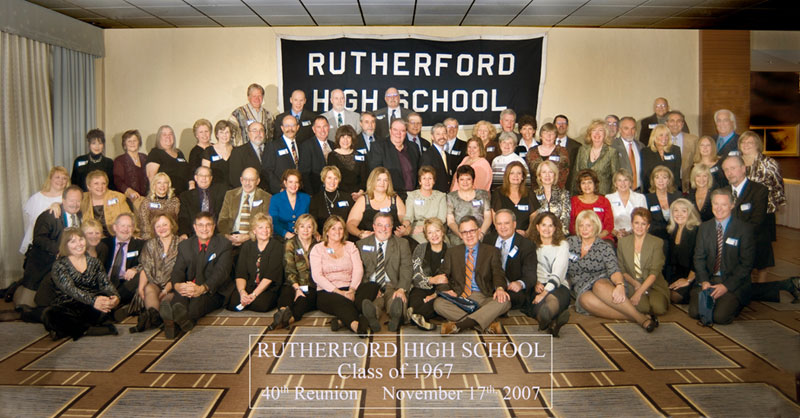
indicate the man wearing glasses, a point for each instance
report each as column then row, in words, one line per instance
column 281, row 155
column 385, row 116
column 474, row 271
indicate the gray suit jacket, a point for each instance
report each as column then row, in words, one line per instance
column 398, row 260
column 622, row 151
column 350, row 118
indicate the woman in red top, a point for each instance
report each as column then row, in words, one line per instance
column 590, row 200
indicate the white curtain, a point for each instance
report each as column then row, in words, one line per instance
column 26, row 139
column 73, row 104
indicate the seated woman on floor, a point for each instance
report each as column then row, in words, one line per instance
column 299, row 293
column 157, row 260
column 426, row 260
column 595, row 277
column 259, row 269
column 84, row 297
column 682, row 228
column 550, row 304
column 641, row 259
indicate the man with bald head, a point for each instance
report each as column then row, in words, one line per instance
column 248, row 154
column 304, row 117
column 385, row 116
column 659, row 117
column 339, row 115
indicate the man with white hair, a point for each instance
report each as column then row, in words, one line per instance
column 727, row 138
column 339, row 116
column 386, row 115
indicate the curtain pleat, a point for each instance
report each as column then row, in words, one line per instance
column 73, row 104
column 26, row 139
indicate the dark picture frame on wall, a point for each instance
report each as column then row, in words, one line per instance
column 780, row 140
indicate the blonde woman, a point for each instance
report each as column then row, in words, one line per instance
column 660, row 151
column 160, row 199
column 424, row 203
column 426, row 260
column 299, row 292
column 202, row 133
column 166, row 157
column 706, row 154
column 379, row 197
column 100, row 203
column 50, row 193
column 702, row 184
column 487, row 134
column 597, row 155
column 682, row 228
column 551, row 197
column 93, row 232
column 157, row 260
column 259, row 269
column 623, row 202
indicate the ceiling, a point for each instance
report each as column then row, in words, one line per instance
column 661, row 14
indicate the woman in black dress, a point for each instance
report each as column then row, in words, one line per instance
column 662, row 194
column 216, row 156
column 94, row 160
column 165, row 157
column 331, row 200
column 679, row 266
column 380, row 197
column 259, row 270
column 660, row 151
column 702, row 183
column 84, row 297
column 202, row 133
column 352, row 165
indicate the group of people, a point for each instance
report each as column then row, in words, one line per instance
column 359, row 215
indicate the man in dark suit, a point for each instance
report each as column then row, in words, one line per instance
column 517, row 255
column 723, row 259
column 474, row 271
column 386, row 115
column 363, row 144
column 442, row 162
column 304, row 118
column 280, row 155
column 201, row 277
column 387, row 274
column 247, row 155
column 206, row 197
column 454, row 146
column 727, row 138
column 122, row 263
column 659, row 117
column 399, row 156
column 43, row 250
column 314, row 156
column 415, row 132
column 629, row 150
column 572, row 146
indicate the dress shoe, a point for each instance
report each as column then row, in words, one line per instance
column 371, row 313
column 169, row 323
column 796, row 285
column 336, row 324
column 449, row 327
column 9, row 315
column 420, row 321
column 395, row 314
column 494, row 328
column 545, row 317
column 286, row 316
column 556, row 325
column 363, row 327
column 181, row 317
column 276, row 321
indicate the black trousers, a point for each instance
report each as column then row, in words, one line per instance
column 263, row 302
column 726, row 307
column 127, row 290
column 769, row 291
column 561, row 294
column 346, row 310
column 72, row 319
column 200, row 306
column 301, row 306
column 416, row 300
column 519, row 299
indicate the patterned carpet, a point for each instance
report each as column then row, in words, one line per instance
column 227, row 367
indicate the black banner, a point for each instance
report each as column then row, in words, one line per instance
column 470, row 80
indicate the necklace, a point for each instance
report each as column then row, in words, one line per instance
column 330, row 202
column 95, row 161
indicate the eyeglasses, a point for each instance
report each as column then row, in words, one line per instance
column 392, row 95
column 611, row 123
column 661, row 106
column 469, row 231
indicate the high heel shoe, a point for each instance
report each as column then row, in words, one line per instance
column 651, row 324
column 654, row 318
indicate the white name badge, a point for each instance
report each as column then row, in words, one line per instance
column 652, row 125
column 386, row 209
column 82, row 163
column 380, row 117
column 330, row 250
column 573, row 257
column 155, row 205
column 732, row 241
column 617, row 203
column 523, row 154
column 713, row 169
column 299, row 251
column 489, row 149
column 113, row 201
column 132, row 254
column 655, row 208
column 419, row 202
column 212, row 256
column 358, row 157
column 745, row 207
column 734, row 153
column 669, row 157
column 598, row 210
column 541, row 197
column 305, row 123
column 343, row 203
column 180, row 160
column 455, row 152
column 215, row 158
column 361, row 150
column 476, row 203
column 304, row 289
column 524, row 208
column 554, row 158
column 513, row 251
column 283, row 151
column 368, row 248
column 257, row 203
column 249, row 121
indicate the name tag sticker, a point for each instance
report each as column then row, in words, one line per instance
column 363, row 151
column 343, row 203
column 283, row 151
column 299, row 251
column 386, row 209
column 180, row 160
column 745, row 206
column 541, row 197
column 82, row 163
column 524, row 208
column 555, row 158
column 476, row 203
column 305, row 123
column 669, row 157
column 523, row 154
column 132, row 254
column 380, row 117
column 257, row 203
column 419, row 202
column 155, row 205
column 513, row 251
column 215, row 158
column 489, row 149
column 734, row 153
column 655, row 208
column 358, row 157
column 368, row 248
column 330, row 250
column 573, row 257
column 598, row 210
column 617, row 203
column 713, row 169
column 249, row 121
column 652, row 125
column 113, row 201
column 304, row 289
column 212, row 256
column 732, row 242
column 456, row 152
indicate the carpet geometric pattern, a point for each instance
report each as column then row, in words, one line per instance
column 601, row 367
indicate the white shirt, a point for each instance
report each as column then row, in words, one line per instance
column 34, row 207
column 288, row 143
column 451, row 143
column 562, row 141
column 622, row 213
column 678, row 141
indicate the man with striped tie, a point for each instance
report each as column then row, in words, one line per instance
column 474, row 271
column 387, row 274
column 339, row 115
column 240, row 205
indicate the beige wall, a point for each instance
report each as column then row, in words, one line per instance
column 151, row 77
